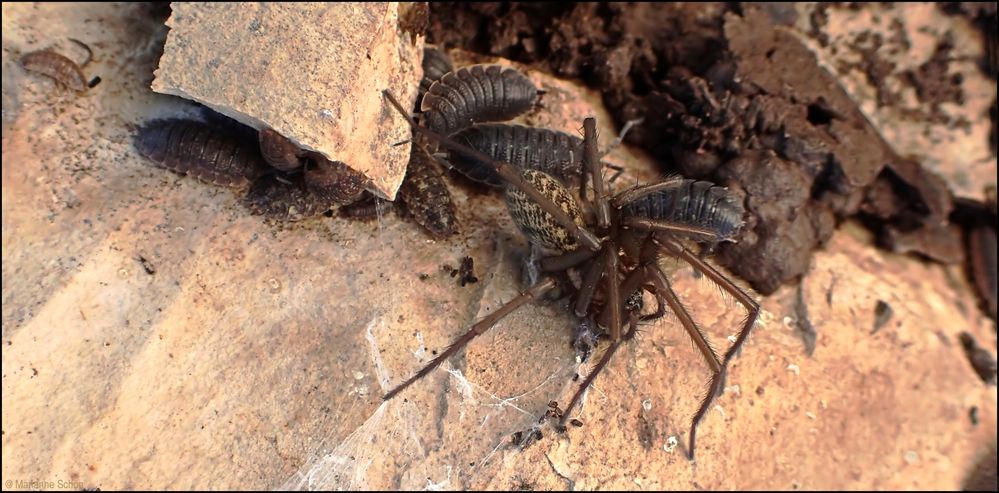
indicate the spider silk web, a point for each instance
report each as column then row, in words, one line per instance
column 454, row 429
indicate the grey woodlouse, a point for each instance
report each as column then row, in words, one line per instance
column 436, row 63
column 200, row 150
column 477, row 93
column 423, row 195
column 551, row 151
column 700, row 205
column 617, row 246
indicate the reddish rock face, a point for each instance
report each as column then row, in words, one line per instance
column 156, row 334
column 311, row 72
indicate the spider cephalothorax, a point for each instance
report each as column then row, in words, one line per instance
column 614, row 244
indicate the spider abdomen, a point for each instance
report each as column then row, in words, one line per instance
column 199, row 150
column 539, row 226
column 555, row 153
column 474, row 94
column 700, row 204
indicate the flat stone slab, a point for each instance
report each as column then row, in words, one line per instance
column 312, row 72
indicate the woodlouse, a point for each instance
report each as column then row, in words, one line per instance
column 436, row 63
column 553, row 152
column 332, row 181
column 200, row 150
column 426, row 197
column 703, row 207
column 477, row 93
column 280, row 198
column 56, row 66
column 279, row 151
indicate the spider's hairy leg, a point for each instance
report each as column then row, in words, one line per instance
column 589, row 285
column 689, row 230
column 744, row 299
column 632, row 329
column 566, row 260
column 613, row 290
column 665, row 291
column 509, row 173
column 636, row 193
column 726, row 284
column 535, row 292
column 591, row 161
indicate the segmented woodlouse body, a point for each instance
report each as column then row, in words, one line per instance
column 280, row 198
column 539, row 226
column 56, row 66
column 426, row 197
column 474, row 94
column 436, row 63
column 279, row 151
column 698, row 204
column 198, row 149
column 232, row 126
column 333, row 182
column 555, row 153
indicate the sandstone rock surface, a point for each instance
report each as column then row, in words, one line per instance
column 313, row 72
column 156, row 335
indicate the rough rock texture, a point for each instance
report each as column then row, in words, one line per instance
column 916, row 74
column 312, row 72
column 720, row 83
column 155, row 334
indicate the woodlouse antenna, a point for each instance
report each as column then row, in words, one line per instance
column 86, row 47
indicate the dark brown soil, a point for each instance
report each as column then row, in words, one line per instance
column 727, row 97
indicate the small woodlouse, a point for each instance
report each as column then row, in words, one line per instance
column 477, row 93
column 332, row 181
column 276, row 197
column 555, row 153
column 198, row 149
column 279, row 151
column 60, row 67
column 56, row 66
column 425, row 195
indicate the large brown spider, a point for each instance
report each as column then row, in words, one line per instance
column 616, row 244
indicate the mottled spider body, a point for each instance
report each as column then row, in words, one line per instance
column 615, row 244
column 537, row 224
